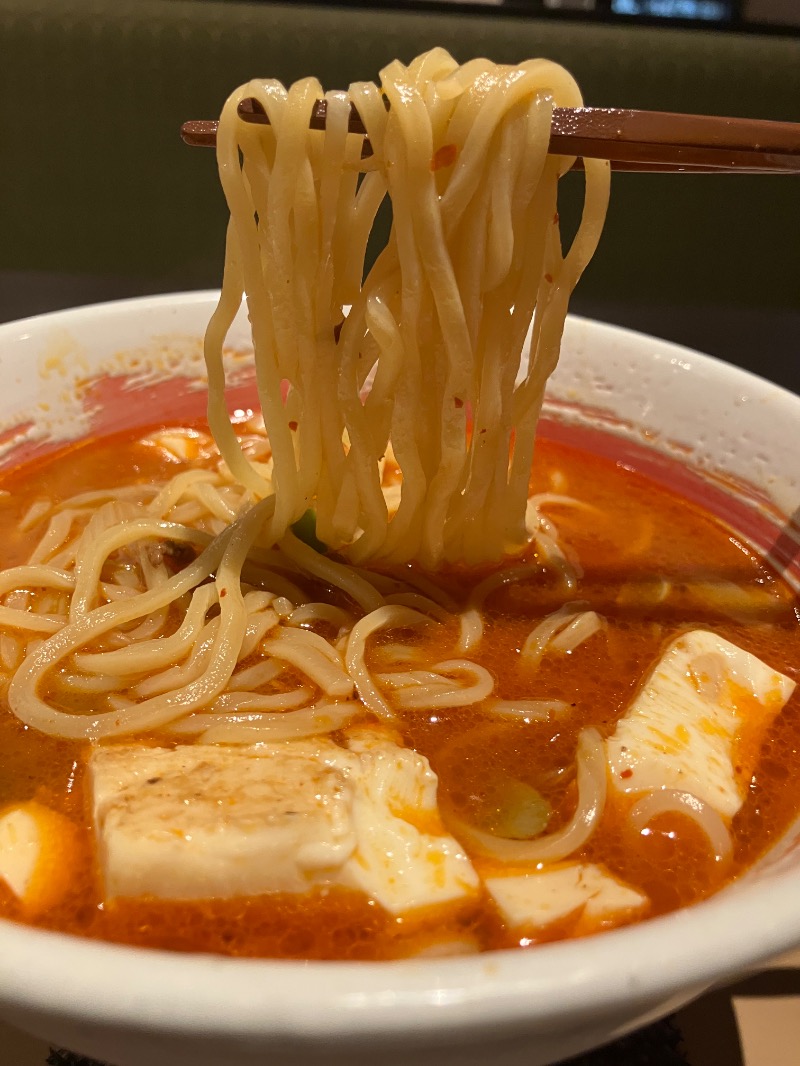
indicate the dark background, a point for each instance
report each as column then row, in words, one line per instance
column 99, row 199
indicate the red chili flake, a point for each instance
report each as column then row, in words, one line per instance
column 292, row 426
column 458, row 401
column 626, row 773
column 555, row 218
column 444, row 156
column 223, row 593
column 549, row 278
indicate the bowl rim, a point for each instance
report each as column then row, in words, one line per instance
column 681, row 355
column 109, row 308
column 315, row 1001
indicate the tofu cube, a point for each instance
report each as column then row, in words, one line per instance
column 205, row 821
column 38, row 850
column 536, row 900
column 201, row 822
column 404, row 858
column 702, row 712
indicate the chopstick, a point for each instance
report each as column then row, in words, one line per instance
column 641, row 141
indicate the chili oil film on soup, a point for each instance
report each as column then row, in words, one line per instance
column 560, row 664
column 346, row 672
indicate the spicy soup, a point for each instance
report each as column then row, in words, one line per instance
column 647, row 563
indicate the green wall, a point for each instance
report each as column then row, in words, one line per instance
column 95, row 179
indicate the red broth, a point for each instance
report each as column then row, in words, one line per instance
column 638, row 534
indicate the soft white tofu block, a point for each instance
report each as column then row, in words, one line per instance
column 702, row 712
column 200, row 821
column 535, row 900
column 204, row 821
column 38, row 852
column 20, row 849
column 403, row 859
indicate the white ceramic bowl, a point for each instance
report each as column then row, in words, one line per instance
column 721, row 434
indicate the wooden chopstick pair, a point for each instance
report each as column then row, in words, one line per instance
column 642, row 141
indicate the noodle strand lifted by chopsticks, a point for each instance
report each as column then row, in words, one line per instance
column 474, row 255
